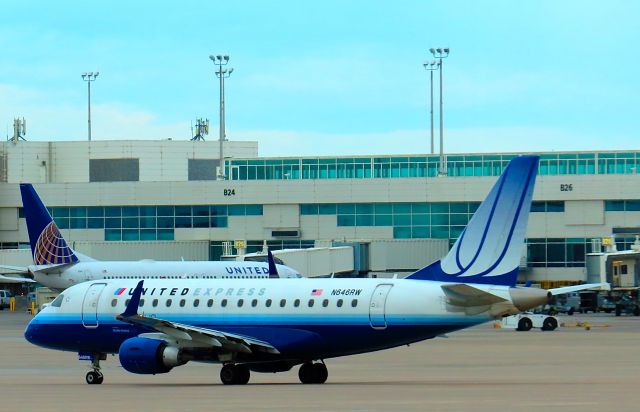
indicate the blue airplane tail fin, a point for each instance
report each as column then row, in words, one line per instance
column 489, row 249
column 273, row 270
column 48, row 247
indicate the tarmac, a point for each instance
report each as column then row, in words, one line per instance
column 478, row 369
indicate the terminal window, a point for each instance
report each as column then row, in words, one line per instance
column 114, row 170
column 203, row 169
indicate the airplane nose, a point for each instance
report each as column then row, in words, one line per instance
column 32, row 332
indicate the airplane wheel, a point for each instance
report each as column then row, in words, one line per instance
column 320, row 373
column 313, row 373
column 305, row 374
column 235, row 374
column 94, row 378
column 243, row 374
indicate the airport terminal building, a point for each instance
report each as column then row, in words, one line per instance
column 128, row 199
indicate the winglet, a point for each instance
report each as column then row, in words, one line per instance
column 132, row 307
column 273, row 270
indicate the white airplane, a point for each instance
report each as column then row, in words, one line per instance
column 57, row 266
column 273, row 325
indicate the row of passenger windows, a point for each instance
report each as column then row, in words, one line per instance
column 239, row 303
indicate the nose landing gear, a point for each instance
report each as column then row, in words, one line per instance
column 94, row 376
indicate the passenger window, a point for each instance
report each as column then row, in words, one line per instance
column 283, row 302
column 354, row 303
column 240, row 302
column 311, row 302
column 325, row 303
column 254, row 303
column 182, row 302
column 141, row 303
column 114, row 302
column 296, row 303
column 210, row 303
column 154, row 303
column 339, row 303
column 196, row 303
column 268, row 303
column 126, row 302
column 168, row 302
column 223, row 303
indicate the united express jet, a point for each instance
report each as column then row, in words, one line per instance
column 255, row 325
column 57, row 266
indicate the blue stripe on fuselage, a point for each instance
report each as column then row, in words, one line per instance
column 294, row 336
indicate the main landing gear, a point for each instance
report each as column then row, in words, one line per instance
column 94, row 376
column 235, row 374
column 313, row 372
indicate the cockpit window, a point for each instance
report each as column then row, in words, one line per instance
column 57, row 301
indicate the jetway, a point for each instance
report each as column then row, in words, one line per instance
column 317, row 261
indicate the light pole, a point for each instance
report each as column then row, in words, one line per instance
column 221, row 73
column 89, row 77
column 431, row 67
column 440, row 54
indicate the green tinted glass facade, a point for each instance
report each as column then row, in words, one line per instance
column 216, row 248
column 441, row 220
column 381, row 167
column 131, row 223
column 622, row 205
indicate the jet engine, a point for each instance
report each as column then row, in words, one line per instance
column 149, row 356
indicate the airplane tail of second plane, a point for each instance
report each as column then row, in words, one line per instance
column 489, row 249
column 48, row 247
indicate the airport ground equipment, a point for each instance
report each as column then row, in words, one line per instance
column 627, row 303
column 5, row 297
column 523, row 322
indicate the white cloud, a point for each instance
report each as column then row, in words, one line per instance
column 48, row 119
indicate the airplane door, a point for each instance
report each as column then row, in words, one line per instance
column 90, row 305
column 377, row 306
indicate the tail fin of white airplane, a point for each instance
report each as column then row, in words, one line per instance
column 48, row 247
column 489, row 249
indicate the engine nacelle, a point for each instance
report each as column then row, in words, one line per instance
column 149, row 356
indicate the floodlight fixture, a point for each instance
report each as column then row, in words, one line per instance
column 221, row 60
column 89, row 77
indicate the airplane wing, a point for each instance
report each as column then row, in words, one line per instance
column 569, row 289
column 11, row 279
column 190, row 335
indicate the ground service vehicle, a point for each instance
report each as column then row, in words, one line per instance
column 523, row 322
column 5, row 296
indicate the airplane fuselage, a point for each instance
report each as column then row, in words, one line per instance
column 61, row 277
column 304, row 319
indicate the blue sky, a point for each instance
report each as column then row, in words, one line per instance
column 328, row 77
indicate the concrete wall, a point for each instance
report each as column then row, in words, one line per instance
column 68, row 162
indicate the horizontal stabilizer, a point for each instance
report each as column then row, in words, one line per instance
column 14, row 269
column 11, row 279
column 467, row 296
column 576, row 288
